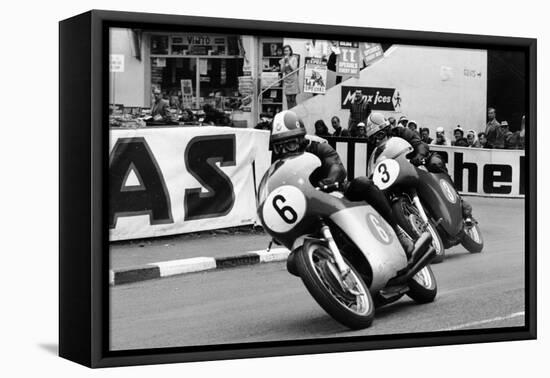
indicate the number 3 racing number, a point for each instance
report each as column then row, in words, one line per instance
column 385, row 173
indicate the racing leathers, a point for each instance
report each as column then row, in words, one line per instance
column 359, row 189
column 432, row 160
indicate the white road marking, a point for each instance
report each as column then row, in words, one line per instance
column 194, row 264
column 485, row 321
column 275, row 254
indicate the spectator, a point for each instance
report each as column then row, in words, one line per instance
column 361, row 130
column 359, row 111
column 160, row 111
column 289, row 65
column 339, row 131
column 403, row 121
column 392, row 121
column 518, row 139
column 440, row 139
column 471, row 139
column 425, row 135
column 413, row 127
column 321, row 129
column 492, row 129
column 507, row 136
column 187, row 116
column 482, row 139
column 213, row 116
column 459, row 141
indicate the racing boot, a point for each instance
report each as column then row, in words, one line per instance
column 405, row 240
column 467, row 213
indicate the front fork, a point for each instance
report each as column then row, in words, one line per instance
column 343, row 268
column 419, row 206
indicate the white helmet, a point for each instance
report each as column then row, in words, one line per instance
column 286, row 125
column 375, row 123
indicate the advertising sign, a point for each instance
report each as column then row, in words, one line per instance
column 176, row 180
column 348, row 62
column 315, row 76
column 117, row 63
column 379, row 98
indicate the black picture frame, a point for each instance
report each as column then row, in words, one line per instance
column 83, row 152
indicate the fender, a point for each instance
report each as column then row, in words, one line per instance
column 375, row 239
column 445, row 206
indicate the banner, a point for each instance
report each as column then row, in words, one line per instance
column 475, row 171
column 315, row 76
column 348, row 62
column 387, row 99
column 173, row 180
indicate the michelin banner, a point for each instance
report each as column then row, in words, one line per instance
column 165, row 181
column 475, row 171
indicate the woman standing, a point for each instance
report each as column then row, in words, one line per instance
column 289, row 64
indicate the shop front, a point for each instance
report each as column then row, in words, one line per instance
column 194, row 72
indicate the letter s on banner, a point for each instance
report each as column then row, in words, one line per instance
column 201, row 155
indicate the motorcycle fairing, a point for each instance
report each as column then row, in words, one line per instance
column 385, row 258
column 438, row 205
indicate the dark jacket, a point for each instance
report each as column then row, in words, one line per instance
column 331, row 165
column 162, row 109
column 421, row 149
column 341, row 132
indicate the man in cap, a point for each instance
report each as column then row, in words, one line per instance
column 288, row 138
column 361, row 130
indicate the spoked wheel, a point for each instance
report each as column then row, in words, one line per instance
column 345, row 298
column 422, row 286
column 472, row 239
column 409, row 218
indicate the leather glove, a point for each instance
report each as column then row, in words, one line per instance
column 418, row 160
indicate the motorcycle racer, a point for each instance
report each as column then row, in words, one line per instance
column 288, row 137
column 379, row 130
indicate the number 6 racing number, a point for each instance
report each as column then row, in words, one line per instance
column 284, row 208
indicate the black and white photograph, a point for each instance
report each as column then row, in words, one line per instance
column 282, row 188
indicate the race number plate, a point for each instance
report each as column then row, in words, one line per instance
column 284, row 208
column 385, row 173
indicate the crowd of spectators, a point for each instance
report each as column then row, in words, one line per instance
column 497, row 135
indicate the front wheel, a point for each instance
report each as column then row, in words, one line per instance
column 472, row 239
column 423, row 287
column 347, row 299
column 408, row 217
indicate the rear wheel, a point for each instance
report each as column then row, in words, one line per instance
column 472, row 239
column 423, row 287
column 410, row 220
column 347, row 299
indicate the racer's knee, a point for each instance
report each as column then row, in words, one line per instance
column 360, row 188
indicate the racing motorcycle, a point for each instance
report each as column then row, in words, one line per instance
column 421, row 200
column 346, row 254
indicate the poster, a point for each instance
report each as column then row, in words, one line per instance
column 371, row 52
column 315, row 76
column 348, row 62
column 117, row 63
column 186, row 87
